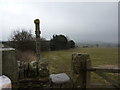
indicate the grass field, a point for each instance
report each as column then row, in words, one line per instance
column 60, row 61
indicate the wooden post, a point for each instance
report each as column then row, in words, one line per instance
column 81, row 62
column 88, row 73
column 37, row 32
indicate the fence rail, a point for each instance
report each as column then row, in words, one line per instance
column 109, row 70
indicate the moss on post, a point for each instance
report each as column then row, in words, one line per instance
column 80, row 64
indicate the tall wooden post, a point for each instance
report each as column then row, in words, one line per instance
column 37, row 32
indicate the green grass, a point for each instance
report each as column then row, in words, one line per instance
column 60, row 61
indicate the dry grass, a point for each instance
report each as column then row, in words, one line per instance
column 26, row 56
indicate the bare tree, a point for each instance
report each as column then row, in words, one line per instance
column 21, row 35
column 22, row 39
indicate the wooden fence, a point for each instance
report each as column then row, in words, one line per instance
column 85, row 69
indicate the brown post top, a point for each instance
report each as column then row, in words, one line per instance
column 37, row 27
column 37, row 21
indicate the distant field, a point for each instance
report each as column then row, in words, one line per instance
column 60, row 61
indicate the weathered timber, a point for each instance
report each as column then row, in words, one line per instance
column 81, row 62
column 37, row 32
column 82, row 67
column 109, row 70
column 88, row 74
column 94, row 85
column 114, row 83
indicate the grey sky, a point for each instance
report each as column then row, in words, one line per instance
column 88, row 21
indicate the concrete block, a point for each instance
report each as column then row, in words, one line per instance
column 9, row 64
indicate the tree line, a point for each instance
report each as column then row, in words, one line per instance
column 60, row 42
column 23, row 40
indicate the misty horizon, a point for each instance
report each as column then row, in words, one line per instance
column 81, row 22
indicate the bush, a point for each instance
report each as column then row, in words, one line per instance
column 26, row 56
column 60, row 42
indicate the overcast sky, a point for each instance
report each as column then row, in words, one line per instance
column 80, row 21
